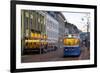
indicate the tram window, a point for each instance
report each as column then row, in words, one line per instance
column 71, row 42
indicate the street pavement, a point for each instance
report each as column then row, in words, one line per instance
column 51, row 56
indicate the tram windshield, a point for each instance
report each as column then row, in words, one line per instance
column 71, row 40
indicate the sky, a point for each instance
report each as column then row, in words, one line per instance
column 78, row 19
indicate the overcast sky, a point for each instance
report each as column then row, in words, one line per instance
column 79, row 19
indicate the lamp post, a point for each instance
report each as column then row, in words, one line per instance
column 88, row 22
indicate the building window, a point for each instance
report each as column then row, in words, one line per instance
column 34, row 20
column 31, row 25
column 26, row 19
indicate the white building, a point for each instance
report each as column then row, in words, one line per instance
column 52, row 29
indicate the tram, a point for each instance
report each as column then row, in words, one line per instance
column 71, row 45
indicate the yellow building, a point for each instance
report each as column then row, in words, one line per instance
column 32, row 26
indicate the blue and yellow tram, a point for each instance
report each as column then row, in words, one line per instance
column 71, row 45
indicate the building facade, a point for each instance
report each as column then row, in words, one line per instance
column 52, row 28
column 71, row 28
column 32, row 22
column 55, row 28
column 61, row 20
column 49, row 23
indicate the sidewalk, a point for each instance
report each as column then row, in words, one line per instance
column 40, row 57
